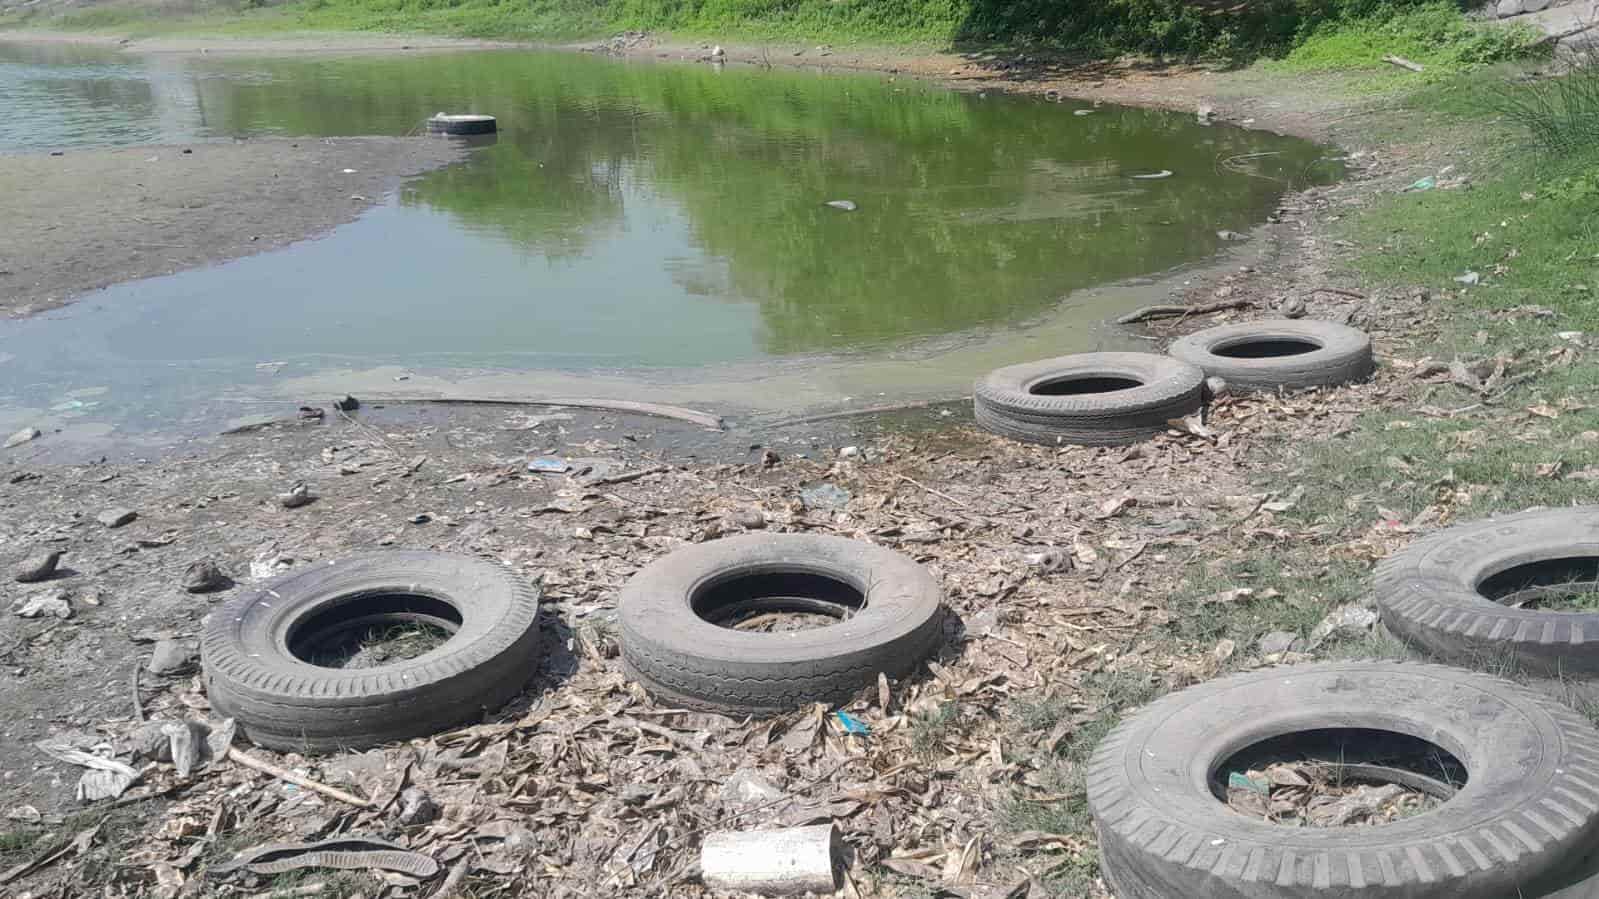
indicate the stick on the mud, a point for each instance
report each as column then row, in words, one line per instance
column 692, row 416
column 1404, row 63
column 250, row 761
column 1153, row 312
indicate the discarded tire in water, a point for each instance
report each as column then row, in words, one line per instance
column 1520, row 825
column 681, row 620
column 267, row 654
column 1287, row 354
column 1093, row 399
column 1490, row 590
column 460, row 125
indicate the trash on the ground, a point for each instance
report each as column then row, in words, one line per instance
column 1051, row 560
column 846, row 205
column 170, row 657
column 348, row 852
column 205, row 577
column 1216, row 387
column 1153, row 176
column 825, row 496
column 416, row 807
column 105, row 779
column 1231, row 235
column 1427, row 183
column 39, row 605
column 1470, row 279
column 548, row 465
column 312, row 413
column 1205, row 113
column 746, row 786
column 116, row 518
column 1236, row 781
column 1081, row 112
column 1351, row 619
column 23, row 436
column 851, row 724
column 40, row 566
column 784, row 862
column 297, row 496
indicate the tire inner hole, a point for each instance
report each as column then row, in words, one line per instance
column 1267, row 348
column 777, row 601
column 1552, row 585
column 1338, row 777
column 365, row 630
column 1077, row 386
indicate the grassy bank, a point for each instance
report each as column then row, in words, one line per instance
column 1309, row 33
column 1487, row 409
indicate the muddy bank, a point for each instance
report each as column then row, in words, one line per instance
column 90, row 218
column 336, row 42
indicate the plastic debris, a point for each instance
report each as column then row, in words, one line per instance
column 846, row 205
column 825, row 496
column 548, row 465
column 851, row 724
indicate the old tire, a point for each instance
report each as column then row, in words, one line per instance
column 1265, row 356
column 1447, row 592
column 1520, row 826
column 253, row 673
column 1091, row 399
column 671, row 645
column 462, row 125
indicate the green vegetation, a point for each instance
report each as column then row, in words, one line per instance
column 1562, row 115
column 1313, row 33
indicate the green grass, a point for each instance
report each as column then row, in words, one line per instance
column 1326, row 33
column 929, row 732
column 1562, row 114
column 1433, row 34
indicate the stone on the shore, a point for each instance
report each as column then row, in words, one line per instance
column 298, row 495
column 204, row 577
column 116, row 518
column 23, row 436
column 1216, row 387
column 170, row 657
column 37, row 567
column 1508, row 8
column 1278, row 642
column 40, row 605
column 749, row 519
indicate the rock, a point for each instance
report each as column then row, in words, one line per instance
column 1205, row 114
column 1293, row 307
column 1346, row 620
column 416, row 808
column 116, row 518
column 170, row 657
column 347, row 404
column 718, row 53
column 298, row 495
column 1277, row 642
column 1231, row 235
column 769, row 458
column 43, row 604
column 204, row 577
column 1534, row 5
column 312, row 413
column 1508, row 8
column 37, row 567
column 23, row 436
column 849, row 452
column 1216, row 387
column 846, row 205
column 749, row 519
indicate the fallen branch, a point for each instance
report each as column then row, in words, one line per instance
column 627, row 476
column 1560, row 36
column 1352, row 294
column 250, row 761
column 1404, row 63
column 1153, row 312
column 692, row 416
column 915, row 483
column 866, row 410
column 773, row 862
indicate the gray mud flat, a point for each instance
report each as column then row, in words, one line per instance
column 91, row 218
